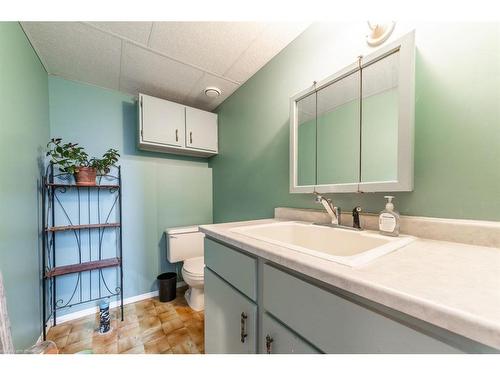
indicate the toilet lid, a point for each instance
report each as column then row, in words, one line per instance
column 194, row 265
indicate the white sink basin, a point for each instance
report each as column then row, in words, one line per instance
column 344, row 246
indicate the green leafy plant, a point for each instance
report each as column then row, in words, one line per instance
column 109, row 158
column 69, row 157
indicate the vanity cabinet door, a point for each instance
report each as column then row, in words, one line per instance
column 278, row 339
column 337, row 325
column 230, row 318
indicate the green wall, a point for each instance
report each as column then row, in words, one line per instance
column 159, row 190
column 457, row 129
column 24, row 129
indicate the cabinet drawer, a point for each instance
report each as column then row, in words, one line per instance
column 228, row 316
column 336, row 325
column 238, row 269
column 278, row 339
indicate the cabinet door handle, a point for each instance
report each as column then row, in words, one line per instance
column 177, row 135
column 269, row 341
column 243, row 333
column 190, row 137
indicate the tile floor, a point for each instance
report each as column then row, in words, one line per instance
column 149, row 326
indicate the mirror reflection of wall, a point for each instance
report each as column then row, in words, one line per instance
column 380, row 116
column 338, row 131
column 306, row 141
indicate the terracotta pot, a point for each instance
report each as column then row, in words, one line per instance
column 85, row 176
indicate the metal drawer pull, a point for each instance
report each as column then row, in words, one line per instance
column 177, row 135
column 243, row 326
column 269, row 341
column 190, row 137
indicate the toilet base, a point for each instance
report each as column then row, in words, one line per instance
column 195, row 297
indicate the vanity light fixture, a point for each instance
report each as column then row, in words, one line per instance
column 212, row 92
column 379, row 32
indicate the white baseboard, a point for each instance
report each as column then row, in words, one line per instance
column 95, row 309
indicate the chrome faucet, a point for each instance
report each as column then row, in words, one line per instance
column 332, row 210
column 334, row 213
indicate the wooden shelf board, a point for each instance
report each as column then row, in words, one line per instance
column 82, row 226
column 80, row 267
column 102, row 186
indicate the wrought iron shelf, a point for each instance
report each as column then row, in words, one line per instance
column 82, row 226
column 80, row 267
column 85, row 212
column 101, row 186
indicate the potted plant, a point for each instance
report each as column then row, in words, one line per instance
column 73, row 159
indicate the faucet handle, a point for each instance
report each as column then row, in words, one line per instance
column 355, row 217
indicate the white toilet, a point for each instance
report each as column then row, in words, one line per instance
column 186, row 244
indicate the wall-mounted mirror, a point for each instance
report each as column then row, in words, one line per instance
column 353, row 132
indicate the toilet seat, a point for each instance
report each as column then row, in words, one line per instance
column 194, row 267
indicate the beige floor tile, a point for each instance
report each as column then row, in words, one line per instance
column 77, row 346
column 164, row 307
column 128, row 343
column 157, row 346
column 195, row 329
column 111, row 348
column 132, row 329
column 61, row 341
column 58, row 331
column 186, row 347
column 178, row 337
column 168, row 315
column 152, row 334
column 139, row 349
column 105, row 338
column 79, row 335
column 185, row 313
column 171, row 325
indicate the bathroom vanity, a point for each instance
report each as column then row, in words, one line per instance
column 261, row 297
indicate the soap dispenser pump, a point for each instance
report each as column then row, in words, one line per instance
column 388, row 222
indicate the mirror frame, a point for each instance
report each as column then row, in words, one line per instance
column 406, row 122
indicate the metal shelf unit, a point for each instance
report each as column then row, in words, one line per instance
column 64, row 206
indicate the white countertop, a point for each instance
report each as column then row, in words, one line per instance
column 451, row 285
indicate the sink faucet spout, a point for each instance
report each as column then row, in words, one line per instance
column 332, row 210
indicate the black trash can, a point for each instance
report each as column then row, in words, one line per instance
column 167, row 284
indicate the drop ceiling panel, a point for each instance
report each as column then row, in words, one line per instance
column 197, row 97
column 213, row 46
column 147, row 72
column 267, row 45
column 136, row 31
column 171, row 60
column 76, row 51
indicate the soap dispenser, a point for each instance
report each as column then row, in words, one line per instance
column 388, row 221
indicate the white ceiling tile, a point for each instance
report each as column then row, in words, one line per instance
column 197, row 97
column 136, row 31
column 77, row 51
column 271, row 41
column 213, row 46
column 147, row 72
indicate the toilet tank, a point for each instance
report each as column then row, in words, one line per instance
column 184, row 243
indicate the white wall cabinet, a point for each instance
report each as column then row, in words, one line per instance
column 201, row 129
column 170, row 127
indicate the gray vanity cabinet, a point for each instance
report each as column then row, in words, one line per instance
column 230, row 318
column 287, row 312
